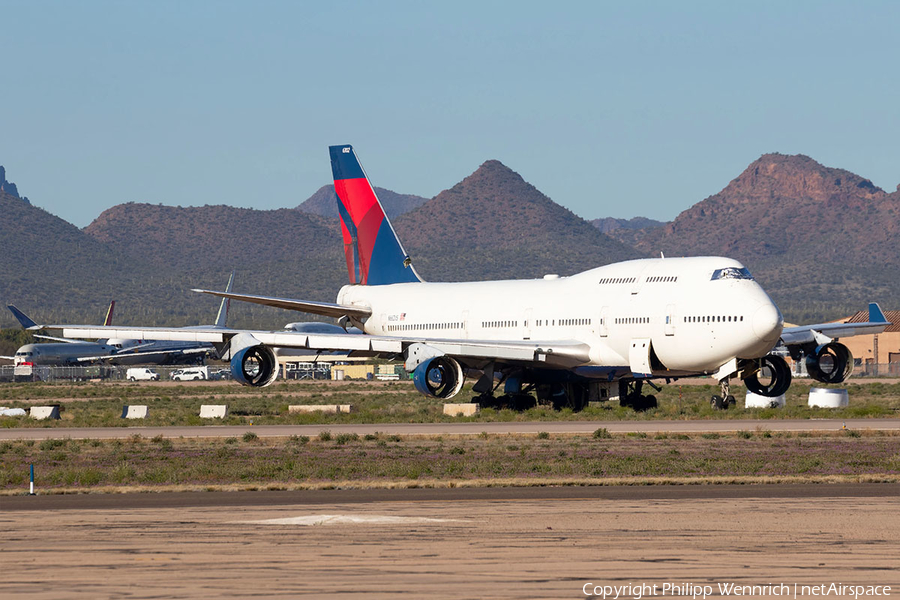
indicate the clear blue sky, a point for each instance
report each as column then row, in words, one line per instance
column 611, row 109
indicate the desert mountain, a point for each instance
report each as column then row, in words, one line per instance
column 50, row 263
column 274, row 252
column 323, row 203
column 814, row 236
column 627, row 231
column 493, row 224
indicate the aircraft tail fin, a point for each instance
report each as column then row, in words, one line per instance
column 222, row 317
column 21, row 317
column 373, row 251
column 109, row 313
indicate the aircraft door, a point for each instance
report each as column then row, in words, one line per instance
column 465, row 324
column 603, row 326
column 527, row 325
column 670, row 319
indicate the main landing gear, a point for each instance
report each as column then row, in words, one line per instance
column 726, row 400
column 630, row 395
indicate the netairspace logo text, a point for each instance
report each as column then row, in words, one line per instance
column 637, row 591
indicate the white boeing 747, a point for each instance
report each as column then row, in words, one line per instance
column 596, row 335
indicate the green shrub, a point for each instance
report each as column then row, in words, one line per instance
column 602, row 434
column 250, row 436
column 343, row 438
column 543, row 435
column 324, row 436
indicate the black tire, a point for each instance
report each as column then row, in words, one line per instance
column 730, row 401
column 717, row 403
column 131, row 378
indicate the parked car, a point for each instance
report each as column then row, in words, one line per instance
column 191, row 374
column 141, row 374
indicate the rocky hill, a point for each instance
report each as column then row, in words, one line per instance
column 8, row 187
column 323, row 203
column 627, row 231
column 820, row 239
column 493, row 224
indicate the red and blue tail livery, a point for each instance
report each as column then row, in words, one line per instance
column 373, row 251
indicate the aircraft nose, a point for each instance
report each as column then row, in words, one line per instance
column 767, row 322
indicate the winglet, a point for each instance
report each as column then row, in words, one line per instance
column 21, row 317
column 876, row 315
column 222, row 317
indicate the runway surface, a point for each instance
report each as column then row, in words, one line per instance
column 375, row 496
column 516, row 427
column 519, row 543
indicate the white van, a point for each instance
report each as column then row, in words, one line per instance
column 141, row 374
column 191, row 374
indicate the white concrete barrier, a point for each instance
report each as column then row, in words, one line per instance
column 756, row 401
column 213, row 411
column 12, row 412
column 44, row 412
column 137, row 411
column 466, row 409
column 828, row 398
column 325, row 408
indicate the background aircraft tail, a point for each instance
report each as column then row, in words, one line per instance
column 374, row 254
column 109, row 313
column 222, row 317
column 24, row 320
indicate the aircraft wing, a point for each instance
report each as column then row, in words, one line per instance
column 8, row 357
column 317, row 308
column 179, row 351
column 560, row 352
column 59, row 339
column 822, row 333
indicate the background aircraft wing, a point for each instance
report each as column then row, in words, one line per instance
column 559, row 352
column 317, row 308
column 822, row 333
column 178, row 351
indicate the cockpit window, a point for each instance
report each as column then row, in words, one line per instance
column 732, row 273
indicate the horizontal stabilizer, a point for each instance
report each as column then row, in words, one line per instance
column 317, row 308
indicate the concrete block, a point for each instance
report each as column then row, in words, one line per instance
column 213, row 411
column 138, row 411
column 44, row 412
column 466, row 409
column 756, row 401
column 828, row 398
column 324, row 408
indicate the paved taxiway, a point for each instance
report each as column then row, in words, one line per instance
column 519, row 543
column 517, row 427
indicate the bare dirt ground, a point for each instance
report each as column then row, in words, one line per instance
column 529, row 548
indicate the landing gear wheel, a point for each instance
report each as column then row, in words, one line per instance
column 486, row 400
column 717, row 403
column 730, row 401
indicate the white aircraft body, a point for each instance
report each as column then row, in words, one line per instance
column 596, row 335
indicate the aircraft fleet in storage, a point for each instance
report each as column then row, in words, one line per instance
column 563, row 341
